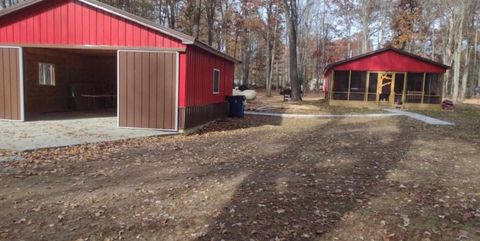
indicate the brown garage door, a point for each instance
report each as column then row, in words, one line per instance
column 148, row 90
column 10, row 88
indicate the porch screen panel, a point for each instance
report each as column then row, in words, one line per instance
column 372, row 87
column 340, row 85
column 433, row 88
column 358, row 84
column 414, row 87
column 399, row 85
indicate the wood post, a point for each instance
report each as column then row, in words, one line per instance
column 367, row 86
column 392, row 89
column 330, row 87
column 349, row 83
column 423, row 86
column 404, row 92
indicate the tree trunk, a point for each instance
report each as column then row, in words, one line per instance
column 475, row 59
column 271, row 45
column 292, row 20
column 458, row 55
column 196, row 18
column 447, row 55
column 466, row 64
column 475, row 48
column 210, row 20
column 433, row 43
column 171, row 13
column 365, row 25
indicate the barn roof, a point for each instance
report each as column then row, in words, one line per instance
column 186, row 39
column 379, row 51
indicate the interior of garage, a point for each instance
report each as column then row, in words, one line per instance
column 69, row 83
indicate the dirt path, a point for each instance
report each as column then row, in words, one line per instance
column 258, row 179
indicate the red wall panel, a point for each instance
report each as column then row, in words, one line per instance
column 391, row 61
column 69, row 22
column 197, row 87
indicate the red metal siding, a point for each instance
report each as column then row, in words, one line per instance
column 182, row 80
column 197, row 87
column 391, row 61
column 61, row 22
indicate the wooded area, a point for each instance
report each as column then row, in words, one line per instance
column 288, row 43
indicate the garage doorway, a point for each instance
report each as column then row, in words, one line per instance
column 139, row 89
column 69, row 83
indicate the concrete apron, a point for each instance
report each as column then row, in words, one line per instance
column 26, row 136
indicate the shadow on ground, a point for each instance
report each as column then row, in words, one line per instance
column 303, row 190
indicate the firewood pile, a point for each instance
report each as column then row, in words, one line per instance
column 447, row 105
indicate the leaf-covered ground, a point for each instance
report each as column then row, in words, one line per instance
column 255, row 179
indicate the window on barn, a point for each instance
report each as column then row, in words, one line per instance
column 414, row 87
column 340, row 85
column 46, row 74
column 358, row 82
column 433, row 88
column 216, row 81
column 372, row 87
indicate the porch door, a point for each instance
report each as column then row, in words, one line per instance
column 148, row 90
column 385, row 88
column 11, row 106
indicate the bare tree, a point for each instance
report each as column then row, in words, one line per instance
column 291, row 13
column 171, row 13
column 366, row 16
column 458, row 53
column 210, row 10
column 196, row 18
column 271, row 25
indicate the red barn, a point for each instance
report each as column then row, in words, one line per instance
column 386, row 77
column 71, row 55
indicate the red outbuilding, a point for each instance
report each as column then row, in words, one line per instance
column 74, row 55
column 386, row 77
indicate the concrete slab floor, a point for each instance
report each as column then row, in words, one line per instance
column 31, row 135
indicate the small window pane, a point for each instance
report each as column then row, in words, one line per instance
column 216, row 81
column 372, row 87
column 432, row 89
column 46, row 74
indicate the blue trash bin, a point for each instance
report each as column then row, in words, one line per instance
column 236, row 106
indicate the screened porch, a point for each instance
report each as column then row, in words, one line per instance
column 386, row 87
